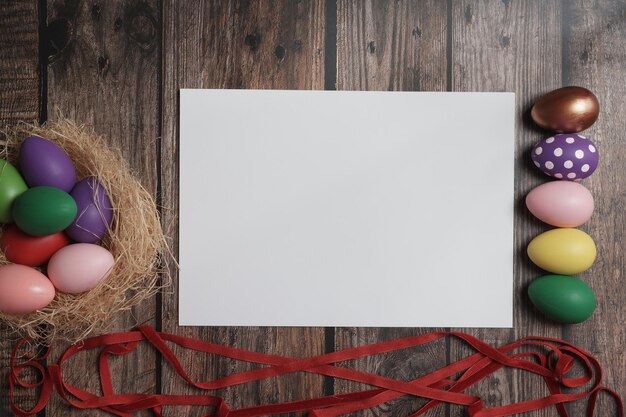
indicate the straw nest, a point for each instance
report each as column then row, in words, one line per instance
column 135, row 239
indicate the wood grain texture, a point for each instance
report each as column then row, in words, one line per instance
column 19, row 100
column 391, row 46
column 105, row 67
column 19, row 52
column 595, row 58
column 104, row 72
column 255, row 44
column 511, row 46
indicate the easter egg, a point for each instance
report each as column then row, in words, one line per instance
column 79, row 267
column 43, row 211
column 11, row 186
column 563, row 251
column 566, row 156
column 44, row 163
column 20, row 248
column 94, row 211
column 567, row 109
column 562, row 298
column 23, row 289
column 560, row 203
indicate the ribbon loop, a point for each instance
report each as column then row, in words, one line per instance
column 438, row 387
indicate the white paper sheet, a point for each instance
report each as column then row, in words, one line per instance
column 319, row 208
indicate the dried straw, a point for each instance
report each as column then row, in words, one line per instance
column 136, row 239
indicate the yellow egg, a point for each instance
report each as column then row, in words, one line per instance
column 563, row 251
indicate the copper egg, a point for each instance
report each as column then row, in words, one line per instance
column 566, row 110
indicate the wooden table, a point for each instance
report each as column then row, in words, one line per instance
column 118, row 65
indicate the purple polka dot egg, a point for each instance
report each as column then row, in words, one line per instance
column 566, row 156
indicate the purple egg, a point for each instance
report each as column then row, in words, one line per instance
column 95, row 212
column 43, row 163
column 567, row 156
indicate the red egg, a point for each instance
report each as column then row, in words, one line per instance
column 24, row 249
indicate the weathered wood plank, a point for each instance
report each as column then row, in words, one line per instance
column 511, row 46
column 595, row 58
column 104, row 72
column 240, row 44
column 19, row 101
column 19, row 52
column 107, row 76
column 391, row 46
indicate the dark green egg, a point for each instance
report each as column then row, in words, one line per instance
column 562, row 298
column 41, row 211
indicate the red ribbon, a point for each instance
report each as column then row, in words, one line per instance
column 552, row 359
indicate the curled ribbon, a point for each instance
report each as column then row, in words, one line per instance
column 552, row 359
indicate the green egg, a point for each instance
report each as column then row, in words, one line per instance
column 11, row 186
column 562, row 298
column 43, row 211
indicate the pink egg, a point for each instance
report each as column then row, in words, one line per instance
column 23, row 289
column 79, row 267
column 560, row 203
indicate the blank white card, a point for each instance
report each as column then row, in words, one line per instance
column 320, row 208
